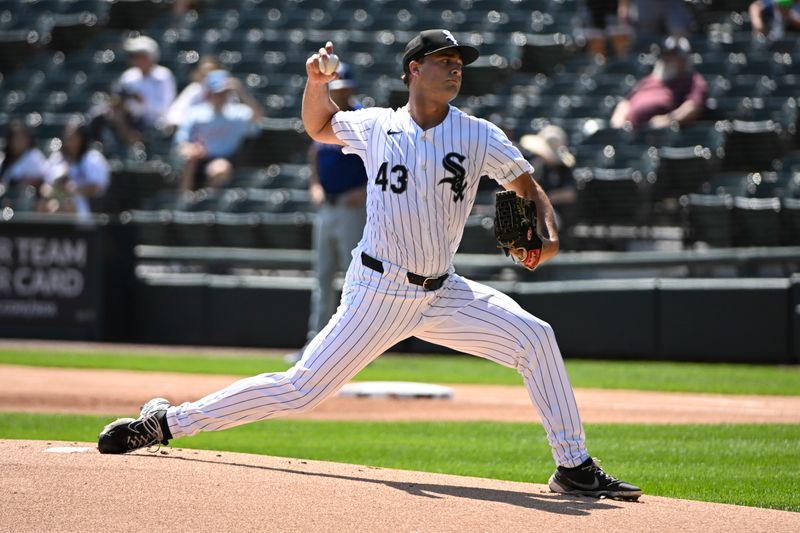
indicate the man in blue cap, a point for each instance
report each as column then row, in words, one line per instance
column 213, row 131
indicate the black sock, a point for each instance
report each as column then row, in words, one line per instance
column 162, row 421
column 587, row 462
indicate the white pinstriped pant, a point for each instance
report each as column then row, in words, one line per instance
column 379, row 310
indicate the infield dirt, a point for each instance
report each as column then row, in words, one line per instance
column 179, row 490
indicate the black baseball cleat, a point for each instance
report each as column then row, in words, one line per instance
column 127, row 434
column 588, row 479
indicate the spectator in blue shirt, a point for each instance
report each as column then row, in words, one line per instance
column 213, row 131
column 338, row 187
column 771, row 18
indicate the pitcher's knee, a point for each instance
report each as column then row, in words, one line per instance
column 536, row 340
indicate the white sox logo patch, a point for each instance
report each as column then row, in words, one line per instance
column 452, row 163
column 449, row 37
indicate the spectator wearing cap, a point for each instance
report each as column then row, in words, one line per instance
column 213, row 131
column 77, row 173
column 23, row 167
column 145, row 91
column 771, row 18
column 194, row 93
column 553, row 163
column 338, row 188
column 672, row 93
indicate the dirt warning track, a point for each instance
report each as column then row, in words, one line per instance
column 116, row 392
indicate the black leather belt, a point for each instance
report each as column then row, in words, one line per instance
column 429, row 284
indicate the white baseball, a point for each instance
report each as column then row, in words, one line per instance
column 328, row 66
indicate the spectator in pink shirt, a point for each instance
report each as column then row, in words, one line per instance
column 672, row 93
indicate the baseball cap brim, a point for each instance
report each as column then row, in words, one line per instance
column 468, row 53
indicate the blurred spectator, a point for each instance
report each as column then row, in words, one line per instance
column 23, row 167
column 144, row 92
column 194, row 93
column 552, row 168
column 213, row 131
column 338, row 187
column 601, row 23
column 673, row 92
column 77, row 173
column 656, row 17
column 770, row 18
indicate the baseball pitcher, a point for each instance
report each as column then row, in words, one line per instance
column 423, row 161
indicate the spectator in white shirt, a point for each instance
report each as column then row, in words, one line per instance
column 77, row 174
column 23, row 167
column 194, row 93
column 146, row 91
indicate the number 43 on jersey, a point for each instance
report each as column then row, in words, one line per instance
column 396, row 179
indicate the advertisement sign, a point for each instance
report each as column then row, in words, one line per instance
column 49, row 277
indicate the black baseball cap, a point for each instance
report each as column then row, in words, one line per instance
column 430, row 41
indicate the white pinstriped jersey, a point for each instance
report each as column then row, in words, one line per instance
column 423, row 183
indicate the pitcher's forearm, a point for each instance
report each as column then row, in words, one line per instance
column 318, row 109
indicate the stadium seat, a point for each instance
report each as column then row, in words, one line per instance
column 285, row 230
column 727, row 183
column 193, row 229
column 134, row 183
column 768, row 184
column 152, row 227
column 700, row 133
column 709, row 219
column 790, row 221
column 280, row 140
column 544, row 53
column 605, row 136
column 681, row 171
column 751, row 145
column 609, row 196
column 757, row 221
column 238, row 229
column 478, row 235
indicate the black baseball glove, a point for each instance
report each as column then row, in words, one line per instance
column 515, row 228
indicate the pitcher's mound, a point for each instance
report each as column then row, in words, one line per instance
column 71, row 487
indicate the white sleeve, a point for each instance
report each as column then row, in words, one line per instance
column 167, row 93
column 95, row 169
column 31, row 165
column 353, row 128
column 127, row 79
column 36, row 164
column 192, row 94
column 56, row 167
column 504, row 162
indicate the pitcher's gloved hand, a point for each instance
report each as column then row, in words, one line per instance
column 515, row 228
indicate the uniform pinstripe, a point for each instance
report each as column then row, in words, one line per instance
column 417, row 207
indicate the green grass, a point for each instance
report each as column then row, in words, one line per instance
column 657, row 376
column 756, row 465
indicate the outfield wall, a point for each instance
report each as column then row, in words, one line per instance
column 736, row 320
column 65, row 280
